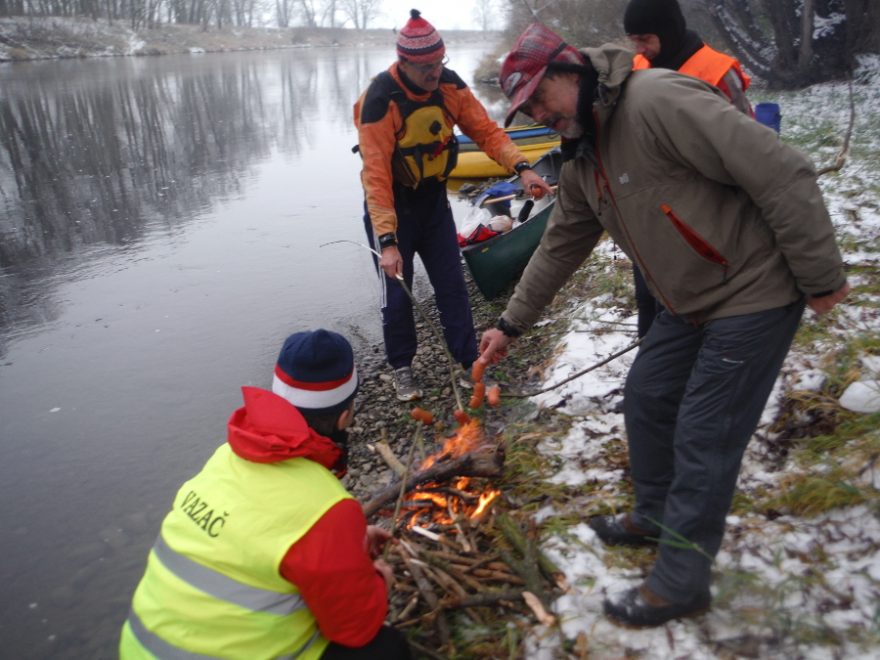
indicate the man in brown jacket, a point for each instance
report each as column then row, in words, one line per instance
column 729, row 227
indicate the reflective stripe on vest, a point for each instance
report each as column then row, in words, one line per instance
column 225, row 588
column 162, row 649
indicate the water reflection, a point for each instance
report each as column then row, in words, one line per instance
column 98, row 161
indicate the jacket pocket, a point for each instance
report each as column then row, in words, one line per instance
column 699, row 244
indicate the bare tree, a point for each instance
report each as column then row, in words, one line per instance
column 328, row 16
column 308, row 12
column 282, row 13
column 359, row 12
column 485, row 14
column 791, row 43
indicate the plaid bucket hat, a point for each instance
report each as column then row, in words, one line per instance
column 526, row 64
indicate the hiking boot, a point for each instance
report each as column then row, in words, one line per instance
column 620, row 530
column 640, row 607
column 406, row 385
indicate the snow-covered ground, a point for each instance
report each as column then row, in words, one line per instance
column 806, row 587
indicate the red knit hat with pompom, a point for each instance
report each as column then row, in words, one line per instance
column 419, row 41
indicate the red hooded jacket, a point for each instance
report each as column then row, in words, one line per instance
column 330, row 564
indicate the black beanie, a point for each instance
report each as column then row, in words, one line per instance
column 660, row 17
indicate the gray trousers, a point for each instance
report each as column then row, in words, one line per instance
column 693, row 398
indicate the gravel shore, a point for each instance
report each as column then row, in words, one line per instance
column 381, row 416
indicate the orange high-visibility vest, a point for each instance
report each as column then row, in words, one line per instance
column 706, row 64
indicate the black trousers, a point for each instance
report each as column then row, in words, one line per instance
column 693, row 398
column 647, row 305
column 426, row 227
column 388, row 644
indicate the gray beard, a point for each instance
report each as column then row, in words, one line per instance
column 573, row 132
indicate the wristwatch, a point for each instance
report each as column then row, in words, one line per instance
column 521, row 166
column 507, row 329
column 387, row 240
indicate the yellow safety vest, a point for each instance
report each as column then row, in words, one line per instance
column 212, row 585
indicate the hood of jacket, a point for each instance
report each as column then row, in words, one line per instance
column 269, row 429
column 613, row 64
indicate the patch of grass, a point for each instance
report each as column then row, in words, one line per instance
column 855, row 426
column 811, row 333
column 744, row 503
column 772, row 623
column 844, row 365
column 626, row 558
column 812, row 494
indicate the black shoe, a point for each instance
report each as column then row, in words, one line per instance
column 618, row 530
column 642, row 608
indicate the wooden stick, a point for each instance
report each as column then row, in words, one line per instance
column 527, row 547
column 840, row 159
column 429, row 596
column 402, row 491
column 410, row 606
column 388, row 456
column 486, row 461
column 487, row 598
column 613, row 356
column 424, row 650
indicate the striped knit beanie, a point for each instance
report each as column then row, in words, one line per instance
column 418, row 40
column 316, row 372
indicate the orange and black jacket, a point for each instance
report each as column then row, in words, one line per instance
column 405, row 137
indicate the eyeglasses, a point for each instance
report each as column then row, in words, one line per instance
column 427, row 68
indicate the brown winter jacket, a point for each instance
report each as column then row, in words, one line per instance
column 722, row 218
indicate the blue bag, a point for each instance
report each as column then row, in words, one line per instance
column 769, row 115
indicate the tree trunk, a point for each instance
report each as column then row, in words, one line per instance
column 805, row 53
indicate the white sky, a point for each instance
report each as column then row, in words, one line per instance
column 442, row 14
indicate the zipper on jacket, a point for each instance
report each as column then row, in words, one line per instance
column 640, row 262
column 702, row 247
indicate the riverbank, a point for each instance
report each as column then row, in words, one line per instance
column 25, row 38
column 797, row 575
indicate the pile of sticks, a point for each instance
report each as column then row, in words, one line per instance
column 465, row 568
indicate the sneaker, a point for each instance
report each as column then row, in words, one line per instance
column 640, row 607
column 406, row 385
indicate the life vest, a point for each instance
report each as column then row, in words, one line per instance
column 212, row 585
column 706, row 64
column 426, row 144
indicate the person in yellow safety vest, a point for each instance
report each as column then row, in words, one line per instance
column 264, row 554
column 658, row 30
column 405, row 121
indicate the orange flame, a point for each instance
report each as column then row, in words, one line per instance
column 485, row 500
column 446, row 507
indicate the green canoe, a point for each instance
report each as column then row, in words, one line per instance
column 500, row 260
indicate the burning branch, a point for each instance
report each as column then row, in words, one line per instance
column 485, row 461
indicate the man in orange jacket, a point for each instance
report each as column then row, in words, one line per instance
column 658, row 31
column 405, row 122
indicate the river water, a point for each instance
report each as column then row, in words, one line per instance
column 161, row 224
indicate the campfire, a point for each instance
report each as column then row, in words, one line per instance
column 463, row 499
column 455, row 552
